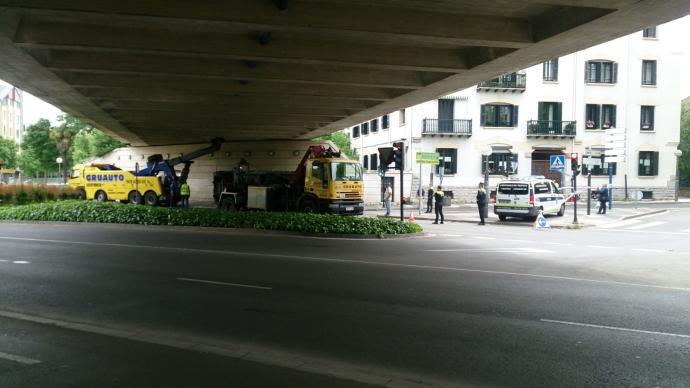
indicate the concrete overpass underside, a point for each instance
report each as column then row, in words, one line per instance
column 173, row 71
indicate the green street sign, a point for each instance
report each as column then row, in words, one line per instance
column 428, row 157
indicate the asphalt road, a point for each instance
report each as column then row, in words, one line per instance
column 499, row 305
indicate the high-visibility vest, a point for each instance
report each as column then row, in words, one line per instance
column 184, row 190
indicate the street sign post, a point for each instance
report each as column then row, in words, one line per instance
column 557, row 163
column 428, row 158
column 615, row 150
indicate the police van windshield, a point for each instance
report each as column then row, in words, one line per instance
column 346, row 171
column 513, row 188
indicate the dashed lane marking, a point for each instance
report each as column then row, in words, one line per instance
column 649, row 250
column 19, row 359
column 599, row 246
column 647, row 225
column 497, row 249
column 223, row 283
column 484, row 238
column 615, row 328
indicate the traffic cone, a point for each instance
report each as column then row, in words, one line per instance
column 411, row 218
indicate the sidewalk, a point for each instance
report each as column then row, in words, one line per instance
column 469, row 214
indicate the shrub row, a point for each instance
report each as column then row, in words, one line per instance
column 29, row 193
column 110, row 212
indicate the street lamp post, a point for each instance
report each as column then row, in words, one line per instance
column 59, row 162
column 678, row 154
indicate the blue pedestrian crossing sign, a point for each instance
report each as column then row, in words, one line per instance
column 557, row 162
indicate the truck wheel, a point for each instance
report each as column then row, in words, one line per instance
column 228, row 204
column 134, row 198
column 307, row 206
column 101, row 196
column 81, row 193
column 562, row 211
column 150, row 198
column 502, row 218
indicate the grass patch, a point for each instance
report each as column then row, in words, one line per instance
column 110, row 212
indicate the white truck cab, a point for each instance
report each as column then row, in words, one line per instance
column 526, row 197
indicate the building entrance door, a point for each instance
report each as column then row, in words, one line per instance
column 540, row 165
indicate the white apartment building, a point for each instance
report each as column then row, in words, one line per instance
column 11, row 113
column 558, row 107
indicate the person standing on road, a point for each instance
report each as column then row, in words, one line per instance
column 388, row 198
column 481, row 202
column 603, row 198
column 184, row 194
column 430, row 199
column 438, row 196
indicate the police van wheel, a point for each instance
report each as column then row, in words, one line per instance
column 101, row 196
column 502, row 218
column 134, row 198
column 562, row 210
column 150, row 198
column 228, row 204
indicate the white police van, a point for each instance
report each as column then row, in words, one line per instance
column 526, row 197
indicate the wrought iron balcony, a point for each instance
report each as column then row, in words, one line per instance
column 551, row 128
column 513, row 82
column 456, row 127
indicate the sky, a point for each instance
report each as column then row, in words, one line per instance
column 35, row 109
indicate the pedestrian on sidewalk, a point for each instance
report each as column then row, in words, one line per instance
column 481, row 202
column 430, row 199
column 388, row 199
column 603, row 199
column 438, row 196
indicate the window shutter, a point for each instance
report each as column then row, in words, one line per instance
column 613, row 115
column 541, row 111
column 555, row 69
column 557, row 113
column 454, row 160
column 483, row 115
column 653, row 72
column 651, row 117
column 655, row 163
column 586, row 71
column 514, row 121
column 614, row 76
column 597, row 116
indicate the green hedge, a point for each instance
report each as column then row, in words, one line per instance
column 21, row 194
column 111, row 212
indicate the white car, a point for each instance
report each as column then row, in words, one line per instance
column 526, row 197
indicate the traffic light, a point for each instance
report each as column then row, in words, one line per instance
column 574, row 166
column 399, row 155
column 385, row 157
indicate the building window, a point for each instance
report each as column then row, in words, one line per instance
column 592, row 116
column 365, row 162
column 608, row 116
column 649, row 163
column 649, row 32
column 596, row 166
column 401, row 117
column 374, row 161
column 601, row 72
column 550, row 70
column 365, row 128
column 385, row 122
column 374, row 125
column 493, row 115
column 500, row 163
column 549, row 111
column 647, row 118
column 449, row 158
column 648, row 72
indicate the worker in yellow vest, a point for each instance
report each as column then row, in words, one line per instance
column 184, row 194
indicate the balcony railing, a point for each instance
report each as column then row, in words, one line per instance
column 551, row 128
column 456, row 127
column 514, row 82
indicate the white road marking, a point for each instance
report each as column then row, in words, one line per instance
column 647, row 225
column 507, row 250
column 615, row 328
column 223, row 283
column 451, row 235
column 619, row 224
column 19, row 359
column 350, row 261
column 484, row 238
column 556, row 243
column 519, row 241
column 686, row 231
column 649, row 250
column 3, row 261
column 599, row 246
column 20, row 262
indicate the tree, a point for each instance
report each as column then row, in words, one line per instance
column 684, row 162
column 38, row 150
column 64, row 134
column 342, row 141
column 92, row 143
column 8, row 152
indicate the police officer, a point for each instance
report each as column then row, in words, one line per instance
column 481, row 202
column 184, row 194
column 438, row 196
